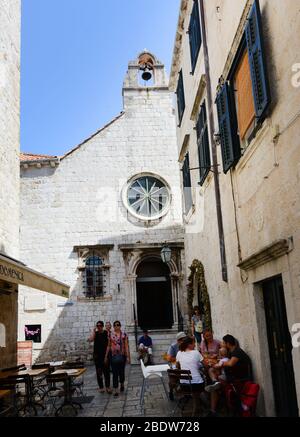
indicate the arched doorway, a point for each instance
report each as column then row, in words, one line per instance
column 154, row 295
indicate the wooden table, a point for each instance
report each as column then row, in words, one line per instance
column 74, row 373
column 4, row 393
column 56, row 363
column 29, row 386
column 71, row 373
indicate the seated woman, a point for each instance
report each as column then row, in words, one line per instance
column 190, row 359
column 209, row 347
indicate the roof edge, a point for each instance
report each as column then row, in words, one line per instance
column 93, row 135
column 178, row 44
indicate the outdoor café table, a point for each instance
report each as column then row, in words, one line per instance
column 4, row 393
column 32, row 373
column 56, row 363
column 72, row 373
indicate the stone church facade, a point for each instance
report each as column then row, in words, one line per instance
column 98, row 218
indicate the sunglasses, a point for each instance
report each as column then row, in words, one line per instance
column 101, row 326
column 117, row 324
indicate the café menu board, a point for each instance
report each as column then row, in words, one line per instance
column 25, row 353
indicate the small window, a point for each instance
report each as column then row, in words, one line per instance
column 93, row 278
column 187, row 186
column 33, row 333
column 203, row 144
column 195, row 35
column 180, row 97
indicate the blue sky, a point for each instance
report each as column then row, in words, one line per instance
column 74, row 59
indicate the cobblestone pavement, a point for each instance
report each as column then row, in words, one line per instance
column 127, row 404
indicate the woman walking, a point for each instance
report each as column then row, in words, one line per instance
column 120, row 355
column 101, row 357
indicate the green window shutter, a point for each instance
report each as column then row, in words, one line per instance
column 187, row 185
column 203, row 144
column 180, row 97
column 258, row 69
column 195, row 34
column 230, row 144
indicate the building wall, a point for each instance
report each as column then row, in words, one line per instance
column 80, row 203
column 260, row 197
column 9, row 161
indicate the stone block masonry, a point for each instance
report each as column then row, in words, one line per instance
column 80, row 203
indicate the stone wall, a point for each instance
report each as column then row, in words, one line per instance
column 9, row 161
column 261, row 196
column 80, row 203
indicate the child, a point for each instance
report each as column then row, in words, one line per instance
column 197, row 325
column 217, row 373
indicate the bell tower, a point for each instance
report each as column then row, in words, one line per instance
column 145, row 74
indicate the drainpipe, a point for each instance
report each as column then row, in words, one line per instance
column 213, row 147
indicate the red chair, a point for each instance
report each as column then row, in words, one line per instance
column 241, row 398
column 248, row 398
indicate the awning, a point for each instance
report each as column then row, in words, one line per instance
column 16, row 272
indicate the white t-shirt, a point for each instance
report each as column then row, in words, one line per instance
column 190, row 360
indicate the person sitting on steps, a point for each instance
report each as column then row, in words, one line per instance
column 145, row 348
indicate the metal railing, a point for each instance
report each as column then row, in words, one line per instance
column 180, row 319
column 135, row 327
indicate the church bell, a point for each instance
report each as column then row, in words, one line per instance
column 147, row 75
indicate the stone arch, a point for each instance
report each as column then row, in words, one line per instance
column 133, row 258
column 141, row 257
column 146, row 57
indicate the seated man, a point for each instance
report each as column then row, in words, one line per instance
column 145, row 347
column 237, row 369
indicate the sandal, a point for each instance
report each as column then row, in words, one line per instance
column 116, row 394
column 101, row 390
column 109, row 391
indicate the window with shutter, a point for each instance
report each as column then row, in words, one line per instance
column 195, row 34
column 180, row 97
column 203, row 144
column 258, row 69
column 230, row 145
column 244, row 96
column 187, row 186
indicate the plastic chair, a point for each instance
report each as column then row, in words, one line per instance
column 151, row 372
column 242, row 398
